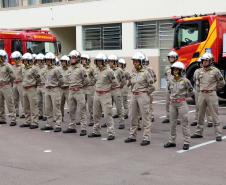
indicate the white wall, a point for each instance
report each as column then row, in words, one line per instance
column 104, row 11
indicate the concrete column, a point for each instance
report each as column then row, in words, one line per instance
column 79, row 37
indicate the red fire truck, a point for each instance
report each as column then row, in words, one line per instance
column 33, row 41
column 194, row 35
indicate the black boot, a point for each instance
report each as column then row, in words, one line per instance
column 186, row 147
column 194, row 123
column 22, row 116
column 70, row 130
column 44, row 118
column 33, row 126
column 218, row 138
column 209, row 124
column 145, row 142
column 126, row 116
column 91, row 124
column 12, row 124
column 3, row 122
column 116, row 116
column 94, row 135
column 78, row 123
column 47, row 128
column 169, row 145
column 57, row 129
column 130, row 140
column 166, row 120
column 121, row 126
column 24, row 125
column 195, row 136
column 40, row 117
column 111, row 137
column 83, row 133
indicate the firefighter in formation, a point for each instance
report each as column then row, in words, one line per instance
column 38, row 87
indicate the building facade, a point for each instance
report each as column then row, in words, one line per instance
column 119, row 27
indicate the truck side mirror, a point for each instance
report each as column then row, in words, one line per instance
column 59, row 46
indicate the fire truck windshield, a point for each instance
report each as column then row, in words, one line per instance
column 41, row 47
column 186, row 34
column 190, row 33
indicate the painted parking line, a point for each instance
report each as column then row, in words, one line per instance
column 199, row 145
column 47, row 151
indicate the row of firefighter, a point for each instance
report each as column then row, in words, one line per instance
column 43, row 85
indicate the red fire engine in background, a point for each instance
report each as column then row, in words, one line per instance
column 194, row 35
column 33, row 41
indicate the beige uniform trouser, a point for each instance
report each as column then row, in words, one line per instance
column 179, row 110
column 117, row 99
column 30, row 105
column 167, row 104
column 140, row 104
column 77, row 101
column 18, row 96
column 102, row 102
column 208, row 116
column 64, row 99
column 52, row 106
column 41, row 100
column 6, row 95
column 89, row 100
column 125, row 100
column 151, row 104
column 210, row 101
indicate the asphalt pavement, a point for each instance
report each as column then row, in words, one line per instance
column 34, row 157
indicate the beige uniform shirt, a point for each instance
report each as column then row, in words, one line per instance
column 91, row 75
column 30, row 76
column 120, row 77
column 105, row 80
column 168, row 74
column 181, row 88
column 17, row 69
column 210, row 80
column 152, row 73
column 42, row 72
column 78, row 76
column 141, row 81
column 66, row 73
column 54, row 77
column 6, row 74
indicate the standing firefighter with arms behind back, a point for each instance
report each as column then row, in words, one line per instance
column 172, row 57
column 102, row 97
column 30, row 80
column 141, row 81
column 209, row 80
column 179, row 88
column 54, row 80
column 6, row 93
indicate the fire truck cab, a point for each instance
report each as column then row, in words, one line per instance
column 33, row 41
column 194, row 35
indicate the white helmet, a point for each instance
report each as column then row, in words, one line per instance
column 139, row 56
column 16, row 55
column 64, row 58
column 50, row 56
column 121, row 61
column 100, row 56
column 113, row 57
column 173, row 54
column 207, row 56
column 27, row 56
column 85, row 56
column 3, row 53
column 74, row 53
column 34, row 56
column 40, row 56
column 178, row 65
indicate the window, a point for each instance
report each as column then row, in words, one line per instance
column 146, row 34
column 10, row 3
column 33, row 2
column 1, row 44
column 41, row 47
column 102, row 37
column 50, row 1
column 16, row 45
